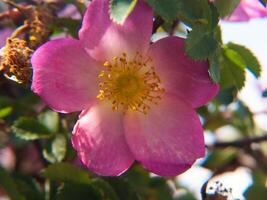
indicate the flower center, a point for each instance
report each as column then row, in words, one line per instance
column 130, row 84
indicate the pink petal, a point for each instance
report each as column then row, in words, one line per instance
column 168, row 139
column 246, row 10
column 64, row 75
column 181, row 75
column 105, row 38
column 99, row 140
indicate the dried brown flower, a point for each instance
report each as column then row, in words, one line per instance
column 15, row 60
column 39, row 20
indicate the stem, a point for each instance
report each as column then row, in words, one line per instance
column 20, row 30
column 4, row 15
column 11, row 3
column 20, row 8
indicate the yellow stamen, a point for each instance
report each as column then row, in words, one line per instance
column 130, row 84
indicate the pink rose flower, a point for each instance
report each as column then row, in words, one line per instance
column 246, row 10
column 137, row 99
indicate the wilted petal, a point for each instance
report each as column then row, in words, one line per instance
column 98, row 137
column 181, row 75
column 64, row 75
column 105, row 38
column 167, row 140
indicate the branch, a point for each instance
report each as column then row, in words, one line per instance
column 15, row 5
column 239, row 143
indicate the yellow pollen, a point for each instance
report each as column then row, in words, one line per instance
column 130, row 84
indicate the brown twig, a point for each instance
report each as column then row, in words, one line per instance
column 239, row 143
column 15, row 5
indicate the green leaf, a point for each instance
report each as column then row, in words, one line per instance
column 197, row 12
column 167, row 9
column 59, row 147
column 49, row 156
column 6, row 106
column 226, row 96
column 123, row 188
column 214, row 19
column 50, row 120
column 71, row 25
column 234, row 57
column 218, row 158
column 105, row 189
column 250, row 61
column 56, row 151
column 256, row 192
column 226, row 7
column 214, row 62
column 201, row 43
column 259, row 177
column 121, row 9
column 243, row 119
column 137, row 184
column 232, row 70
column 30, row 129
column 264, row 94
column 65, row 172
column 9, row 185
column 4, row 112
column 28, row 191
column 161, row 189
column 193, row 10
column 78, row 191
